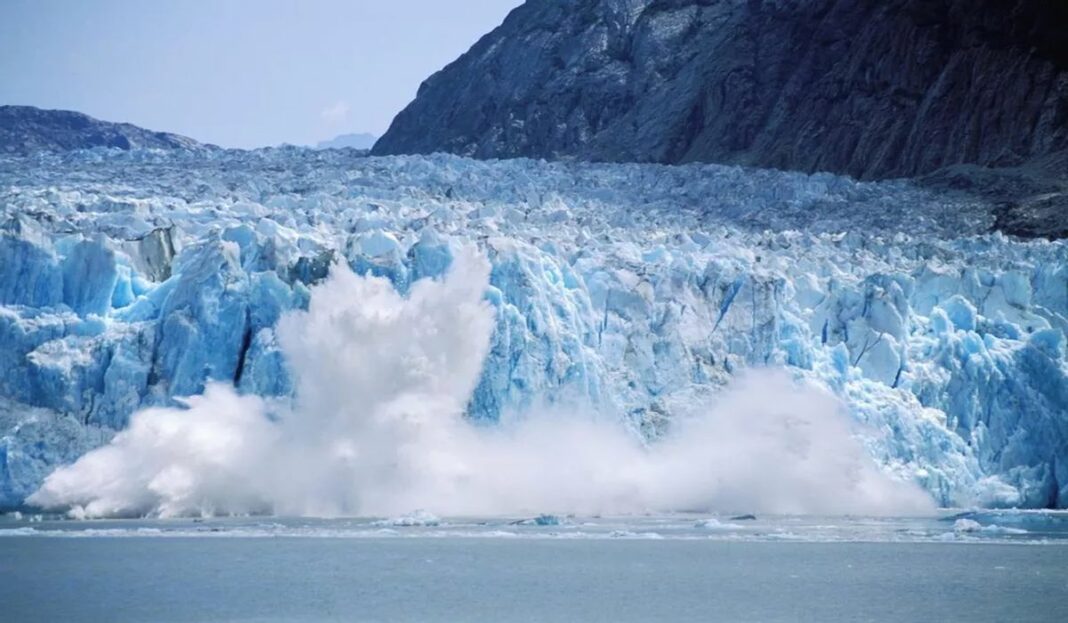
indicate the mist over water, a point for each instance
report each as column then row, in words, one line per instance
column 377, row 428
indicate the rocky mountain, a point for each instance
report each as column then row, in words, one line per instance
column 870, row 88
column 362, row 140
column 26, row 130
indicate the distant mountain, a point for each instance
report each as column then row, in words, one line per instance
column 26, row 130
column 354, row 141
column 870, row 88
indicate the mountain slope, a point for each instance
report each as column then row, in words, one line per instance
column 361, row 140
column 26, row 130
column 871, row 89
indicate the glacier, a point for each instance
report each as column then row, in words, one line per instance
column 133, row 279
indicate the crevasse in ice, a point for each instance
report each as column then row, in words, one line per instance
column 130, row 278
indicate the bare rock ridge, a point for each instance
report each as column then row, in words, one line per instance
column 868, row 88
column 26, row 130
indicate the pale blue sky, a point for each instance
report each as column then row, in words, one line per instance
column 239, row 73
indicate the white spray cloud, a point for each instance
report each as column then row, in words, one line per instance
column 377, row 428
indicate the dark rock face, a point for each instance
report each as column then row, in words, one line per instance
column 870, row 88
column 26, row 130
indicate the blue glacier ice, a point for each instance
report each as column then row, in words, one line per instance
column 130, row 279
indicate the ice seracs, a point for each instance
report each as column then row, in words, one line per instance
column 129, row 279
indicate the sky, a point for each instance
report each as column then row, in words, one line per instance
column 237, row 73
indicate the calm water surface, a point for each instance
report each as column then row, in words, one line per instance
column 480, row 571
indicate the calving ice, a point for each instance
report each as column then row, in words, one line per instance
column 377, row 427
column 298, row 332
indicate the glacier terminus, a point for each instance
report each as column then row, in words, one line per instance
column 635, row 292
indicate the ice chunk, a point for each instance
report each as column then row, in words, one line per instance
column 415, row 518
column 714, row 524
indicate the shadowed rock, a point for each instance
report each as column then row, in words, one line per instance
column 872, row 89
column 26, row 130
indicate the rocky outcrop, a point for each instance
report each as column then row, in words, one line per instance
column 26, row 130
column 871, row 88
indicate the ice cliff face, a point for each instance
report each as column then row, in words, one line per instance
column 26, row 130
column 130, row 278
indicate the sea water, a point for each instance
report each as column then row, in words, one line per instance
column 969, row 567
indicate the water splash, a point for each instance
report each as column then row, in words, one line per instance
column 377, row 428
